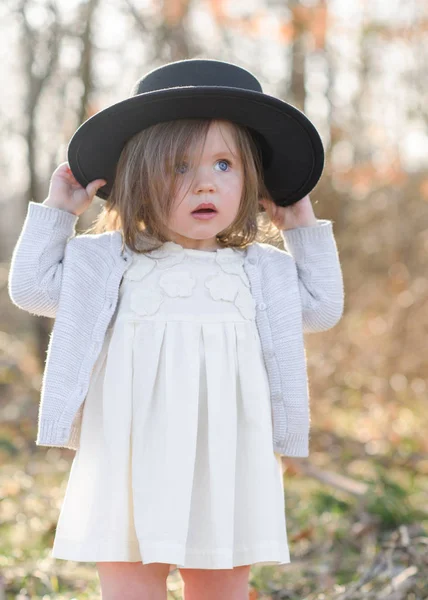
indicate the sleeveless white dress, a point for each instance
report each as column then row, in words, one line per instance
column 176, row 462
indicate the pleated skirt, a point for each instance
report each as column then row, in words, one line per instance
column 176, row 462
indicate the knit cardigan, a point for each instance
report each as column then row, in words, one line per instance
column 75, row 279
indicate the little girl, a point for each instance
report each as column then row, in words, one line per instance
column 176, row 365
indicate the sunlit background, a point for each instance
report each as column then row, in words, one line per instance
column 358, row 69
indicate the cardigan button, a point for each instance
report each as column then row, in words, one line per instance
column 262, row 306
column 252, row 261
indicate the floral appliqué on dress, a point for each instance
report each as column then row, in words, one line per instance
column 225, row 285
column 177, row 283
column 147, row 300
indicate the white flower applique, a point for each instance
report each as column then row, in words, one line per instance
column 224, row 286
column 246, row 303
column 140, row 267
column 146, row 300
column 177, row 283
column 231, row 262
column 168, row 255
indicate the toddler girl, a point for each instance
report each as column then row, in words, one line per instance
column 176, row 366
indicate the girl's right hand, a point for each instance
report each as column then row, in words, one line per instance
column 66, row 193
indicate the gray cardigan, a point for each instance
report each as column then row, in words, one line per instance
column 75, row 279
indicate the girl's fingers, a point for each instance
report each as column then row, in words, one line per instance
column 94, row 186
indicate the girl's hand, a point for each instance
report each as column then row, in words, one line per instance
column 299, row 214
column 66, row 193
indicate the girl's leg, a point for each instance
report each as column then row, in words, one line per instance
column 133, row 580
column 212, row 584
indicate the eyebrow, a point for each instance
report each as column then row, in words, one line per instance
column 221, row 153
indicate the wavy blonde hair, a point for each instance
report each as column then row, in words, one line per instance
column 143, row 190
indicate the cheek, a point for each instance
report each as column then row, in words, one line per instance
column 179, row 204
column 234, row 186
column 180, row 214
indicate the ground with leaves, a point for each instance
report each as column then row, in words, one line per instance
column 362, row 535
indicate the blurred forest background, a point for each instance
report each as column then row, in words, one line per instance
column 356, row 507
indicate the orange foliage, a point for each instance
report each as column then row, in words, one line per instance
column 306, row 533
column 367, row 176
column 387, row 32
column 318, row 24
column 304, row 18
column 311, row 19
column 218, row 11
column 301, row 15
column 286, row 32
column 251, row 26
column 92, row 108
column 423, row 188
column 173, row 11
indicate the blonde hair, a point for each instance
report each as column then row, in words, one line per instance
column 142, row 194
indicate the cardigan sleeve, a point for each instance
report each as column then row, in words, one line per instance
column 35, row 274
column 319, row 272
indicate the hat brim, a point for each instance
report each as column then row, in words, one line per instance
column 293, row 154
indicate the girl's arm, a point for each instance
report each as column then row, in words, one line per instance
column 319, row 273
column 35, row 274
column 311, row 243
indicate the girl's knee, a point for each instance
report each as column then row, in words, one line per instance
column 133, row 580
column 216, row 583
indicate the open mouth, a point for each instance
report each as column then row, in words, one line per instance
column 204, row 214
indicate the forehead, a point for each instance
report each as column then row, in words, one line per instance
column 220, row 137
column 221, row 130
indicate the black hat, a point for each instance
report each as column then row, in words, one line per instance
column 292, row 151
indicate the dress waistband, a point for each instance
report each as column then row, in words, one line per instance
column 192, row 318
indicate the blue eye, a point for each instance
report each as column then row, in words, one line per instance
column 181, row 169
column 223, row 160
column 178, row 168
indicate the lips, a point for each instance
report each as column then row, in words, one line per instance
column 205, row 208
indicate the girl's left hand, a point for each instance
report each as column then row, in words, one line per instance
column 299, row 214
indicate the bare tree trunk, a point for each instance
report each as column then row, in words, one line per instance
column 172, row 39
column 86, row 75
column 36, row 81
column 297, row 92
column 37, row 78
column 362, row 146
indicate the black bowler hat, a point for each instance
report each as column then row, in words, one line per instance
column 292, row 151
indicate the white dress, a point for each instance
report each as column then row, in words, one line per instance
column 176, row 462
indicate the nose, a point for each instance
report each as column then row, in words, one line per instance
column 204, row 188
column 204, row 182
